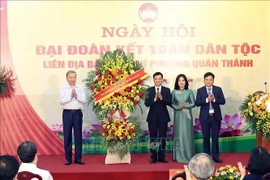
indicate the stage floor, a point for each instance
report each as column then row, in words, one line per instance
column 138, row 169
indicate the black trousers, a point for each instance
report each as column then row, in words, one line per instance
column 211, row 126
column 158, row 130
column 72, row 119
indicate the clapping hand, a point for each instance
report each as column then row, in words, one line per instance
column 73, row 94
column 156, row 97
column 159, row 96
column 181, row 106
column 242, row 169
column 188, row 175
column 211, row 97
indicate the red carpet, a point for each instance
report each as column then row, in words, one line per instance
column 139, row 168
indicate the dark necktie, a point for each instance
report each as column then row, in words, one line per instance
column 157, row 93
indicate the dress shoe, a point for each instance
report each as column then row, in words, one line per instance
column 162, row 160
column 217, row 160
column 153, row 161
column 68, row 163
column 79, row 162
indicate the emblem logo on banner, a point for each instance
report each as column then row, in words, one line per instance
column 148, row 12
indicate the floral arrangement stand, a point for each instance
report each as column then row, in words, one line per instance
column 113, row 158
column 260, row 141
column 256, row 110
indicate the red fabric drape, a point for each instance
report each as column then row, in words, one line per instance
column 18, row 120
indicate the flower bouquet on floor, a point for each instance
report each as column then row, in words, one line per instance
column 120, row 134
column 226, row 173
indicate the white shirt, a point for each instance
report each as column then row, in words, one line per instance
column 72, row 103
column 30, row 167
column 159, row 90
column 211, row 92
column 211, row 89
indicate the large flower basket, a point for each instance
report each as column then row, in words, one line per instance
column 118, row 86
column 256, row 111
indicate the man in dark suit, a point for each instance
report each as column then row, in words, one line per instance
column 157, row 98
column 209, row 98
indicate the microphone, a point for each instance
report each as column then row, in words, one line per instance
column 265, row 84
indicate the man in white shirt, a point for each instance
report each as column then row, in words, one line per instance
column 72, row 98
column 209, row 98
column 27, row 152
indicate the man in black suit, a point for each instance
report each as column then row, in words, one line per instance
column 209, row 98
column 157, row 98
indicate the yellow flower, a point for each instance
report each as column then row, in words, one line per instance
column 129, row 137
column 103, row 87
column 137, row 98
column 114, row 72
column 231, row 177
column 125, row 74
column 222, row 173
column 221, row 168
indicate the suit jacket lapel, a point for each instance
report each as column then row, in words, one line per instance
column 205, row 91
column 214, row 90
column 154, row 90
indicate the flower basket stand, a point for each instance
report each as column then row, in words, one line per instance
column 260, row 141
column 113, row 158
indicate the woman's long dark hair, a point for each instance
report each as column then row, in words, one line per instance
column 259, row 161
column 176, row 86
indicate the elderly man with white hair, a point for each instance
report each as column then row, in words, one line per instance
column 200, row 167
